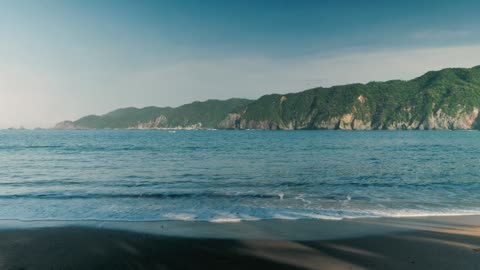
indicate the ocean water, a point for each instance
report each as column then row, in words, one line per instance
column 237, row 175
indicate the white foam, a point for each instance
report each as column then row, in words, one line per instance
column 295, row 216
column 180, row 216
column 225, row 220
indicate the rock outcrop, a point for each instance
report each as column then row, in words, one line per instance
column 463, row 120
column 438, row 100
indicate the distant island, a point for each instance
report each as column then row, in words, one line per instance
column 445, row 99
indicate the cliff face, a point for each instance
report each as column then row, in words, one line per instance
column 195, row 115
column 463, row 120
column 162, row 122
column 446, row 99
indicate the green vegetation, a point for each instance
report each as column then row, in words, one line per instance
column 381, row 103
column 448, row 97
column 208, row 113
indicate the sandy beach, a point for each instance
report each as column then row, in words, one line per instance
column 371, row 243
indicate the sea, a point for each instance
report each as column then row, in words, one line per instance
column 227, row 176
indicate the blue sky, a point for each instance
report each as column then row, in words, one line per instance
column 65, row 59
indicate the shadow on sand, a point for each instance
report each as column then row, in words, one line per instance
column 89, row 248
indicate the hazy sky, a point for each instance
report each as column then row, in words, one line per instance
column 63, row 59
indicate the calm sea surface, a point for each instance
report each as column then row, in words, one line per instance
column 230, row 175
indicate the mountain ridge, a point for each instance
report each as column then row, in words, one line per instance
column 444, row 99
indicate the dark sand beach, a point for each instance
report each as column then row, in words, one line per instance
column 376, row 243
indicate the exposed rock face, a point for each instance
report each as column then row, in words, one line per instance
column 160, row 121
column 463, row 120
column 332, row 123
column 346, row 122
column 235, row 121
column 231, row 122
column 445, row 99
column 262, row 125
column 405, row 125
column 361, row 99
column 361, row 125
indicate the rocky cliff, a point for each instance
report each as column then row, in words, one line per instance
column 195, row 115
column 445, row 99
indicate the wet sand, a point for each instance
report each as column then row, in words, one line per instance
column 377, row 243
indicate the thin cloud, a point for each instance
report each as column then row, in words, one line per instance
column 32, row 99
column 441, row 34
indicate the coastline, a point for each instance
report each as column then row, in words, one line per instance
column 231, row 129
column 446, row 242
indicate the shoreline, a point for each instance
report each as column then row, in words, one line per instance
column 222, row 129
column 239, row 220
column 451, row 242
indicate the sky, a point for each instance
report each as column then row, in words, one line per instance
column 63, row 59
